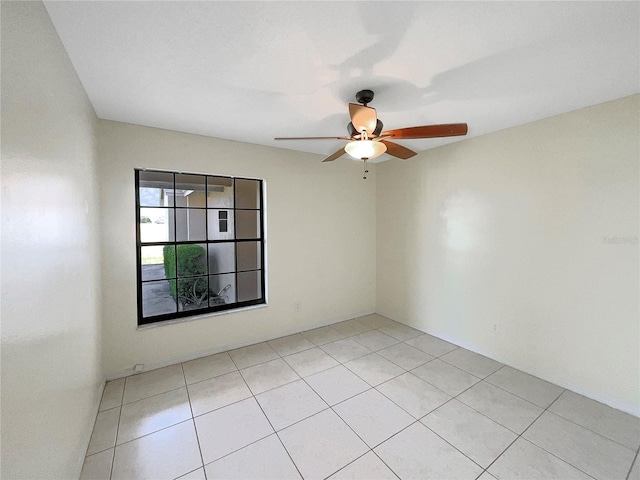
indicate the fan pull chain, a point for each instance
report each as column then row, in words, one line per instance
column 364, row 177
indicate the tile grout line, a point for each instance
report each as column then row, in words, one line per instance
column 635, row 460
column 352, row 336
column 370, row 449
column 406, row 427
column 115, row 442
column 527, row 440
column 193, row 420
column 275, row 432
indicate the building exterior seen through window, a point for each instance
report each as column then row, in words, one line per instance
column 200, row 244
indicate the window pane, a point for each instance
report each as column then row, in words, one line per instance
column 190, row 224
column 222, row 257
column 157, row 299
column 193, row 293
column 219, row 192
column 247, row 193
column 248, row 256
column 192, row 260
column 247, row 224
column 214, row 224
column 156, row 189
column 222, row 289
column 249, row 286
column 152, row 259
column 156, row 225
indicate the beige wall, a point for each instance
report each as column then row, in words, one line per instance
column 516, row 230
column 51, row 347
column 320, row 243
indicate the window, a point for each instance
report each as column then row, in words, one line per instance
column 200, row 244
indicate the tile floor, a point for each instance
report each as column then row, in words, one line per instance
column 367, row 398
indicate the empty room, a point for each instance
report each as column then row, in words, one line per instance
column 320, row 240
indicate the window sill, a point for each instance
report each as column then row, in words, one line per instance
column 199, row 317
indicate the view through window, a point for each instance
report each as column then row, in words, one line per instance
column 200, row 242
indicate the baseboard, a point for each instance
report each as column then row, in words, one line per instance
column 97, row 398
column 224, row 348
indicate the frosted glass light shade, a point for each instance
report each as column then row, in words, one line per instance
column 365, row 149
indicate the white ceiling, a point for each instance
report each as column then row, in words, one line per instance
column 251, row 71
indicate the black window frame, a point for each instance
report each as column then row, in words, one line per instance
column 209, row 308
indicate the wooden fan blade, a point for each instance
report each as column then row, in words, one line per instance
column 363, row 117
column 398, row 150
column 338, row 154
column 429, row 131
column 312, row 138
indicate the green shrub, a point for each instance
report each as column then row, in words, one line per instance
column 192, row 260
column 145, row 219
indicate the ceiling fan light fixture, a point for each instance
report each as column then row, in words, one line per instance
column 365, row 149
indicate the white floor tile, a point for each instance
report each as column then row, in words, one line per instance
column 265, row 459
column 322, row 335
column 290, row 344
column 104, row 431
column 405, row 356
column 471, row 362
column 217, row 392
column 98, row 466
column 345, row 350
column 478, row 437
column 337, row 384
column 322, row 444
column 431, row 345
column 374, row 369
column 486, row 476
column 525, row 386
column 195, row 475
column 253, row 355
column 503, row 407
column 588, row 451
column 635, row 470
column 153, row 413
column 401, row 332
column 375, row 321
column 156, row 437
column 349, row 328
column 290, row 403
column 367, row 467
column 166, row 454
column 525, row 461
column 268, row 375
column 375, row 340
column 208, row 367
column 445, row 377
column 373, row 416
column 608, row 422
column 112, row 395
column 310, row 361
column 153, row 382
column 413, row 394
column 231, row 428
column 417, row 453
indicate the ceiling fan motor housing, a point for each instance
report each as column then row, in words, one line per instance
column 364, row 96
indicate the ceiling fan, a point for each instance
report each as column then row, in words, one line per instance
column 367, row 140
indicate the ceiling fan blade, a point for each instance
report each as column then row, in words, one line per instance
column 363, row 117
column 398, row 150
column 429, row 131
column 312, row 138
column 338, row 154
